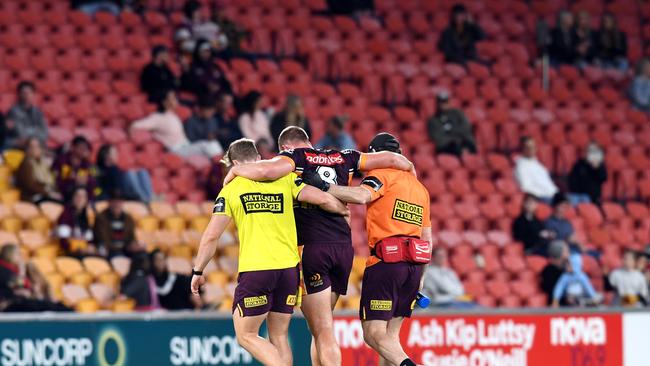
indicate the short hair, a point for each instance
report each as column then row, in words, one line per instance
column 523, row 140
column 292, row 133
column 558, row 199
column 80, row 140
column 6, row 250
column 25, row 84
column 158, row 49
column 242, row 149
column 556, row 249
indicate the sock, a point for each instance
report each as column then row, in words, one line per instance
column 407, row 362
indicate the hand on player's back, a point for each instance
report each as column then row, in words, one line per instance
column 311, row 177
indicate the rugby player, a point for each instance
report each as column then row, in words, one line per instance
column 327, row 253
column 268, row 281
column 398, row 211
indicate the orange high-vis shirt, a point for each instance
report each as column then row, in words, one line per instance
column 400, row 206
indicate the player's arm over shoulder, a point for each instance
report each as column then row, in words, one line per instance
column 309, row 194
column 371, row 188
column 384, row 159
column 263, row 170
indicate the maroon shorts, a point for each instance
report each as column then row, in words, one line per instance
column 389, row 290
column 259, row 292
column 327, row 265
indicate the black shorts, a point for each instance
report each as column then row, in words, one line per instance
column 325, row 265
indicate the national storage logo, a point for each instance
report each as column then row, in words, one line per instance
column 262, row 202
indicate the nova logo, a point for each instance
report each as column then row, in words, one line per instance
column 578, row 331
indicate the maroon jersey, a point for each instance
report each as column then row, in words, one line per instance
column 314, row 225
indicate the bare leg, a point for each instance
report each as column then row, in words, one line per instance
column 383, row 337
column 278, row 326
column 247, row 331
column 318, row 312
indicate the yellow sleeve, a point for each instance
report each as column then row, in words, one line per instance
column 295, row 188
column 223, row 204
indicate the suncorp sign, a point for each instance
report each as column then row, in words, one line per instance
column 45, row 351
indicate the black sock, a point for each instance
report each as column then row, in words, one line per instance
column 408, row 362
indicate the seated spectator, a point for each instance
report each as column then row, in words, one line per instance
column 253, row 122
column 557, row 224
column 74, row 169
column 34, row 176
column 140, row 285
column 293, row 114
column 458, row 40
column 157, row 75
column 441, row 284
column 449, row 129
column 214, row 183
column 184, row 45
column 585, row 40
column 533, row 177
column 629, row 282
column 114, row 230
column 574, row 288
column 73, row 226
column 24, row 119
column 204, row 76
column 335, row 136
column 588, row 176
column 202, row 124
column 529, row 230
column 640, row 88
column 562, row 50
column 91, row 7
column 227, row 126
column 611, row 44
column 172, row 289
column 22, row 287
column 558, row 254
column 135, row 184
column 167, row 128
column 202, row 28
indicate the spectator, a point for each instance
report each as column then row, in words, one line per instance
column 588, row 176
column 533, row 177
column 202, row 28
column 34, row 176
column 25, row 119
column 172, row 289
column 558, row 254
column 611, row 44
column 157, row 75
column 114, row 230
column 629, row 282
column 167, row 128
column 91, row 7
column 585, row 40
column 204, row 76
column 449, row 129
column 441, row 284
column 562, row 50
column 184, row 45
column 214, row 183
column 293, row 114
column 227, row 127
column 202, row 124
column 74, row 169
column 253, row 122
column 22, row 287
column 335, row 136
column 73, row 226
column 135, row 184
column 529, row 230
column 140, row 285
column 458, row 40
column 574, row 288
column 640, row 88
column 559, row 227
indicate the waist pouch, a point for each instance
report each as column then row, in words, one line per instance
column 403, row 249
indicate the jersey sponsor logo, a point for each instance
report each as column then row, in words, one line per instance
column 255, row 301
column 291, row 300
column 316, row 280
column 409, row 213
column 219, row 205
column 262, row 202
column 373, row 182
column 324, row 159
column 381, row 305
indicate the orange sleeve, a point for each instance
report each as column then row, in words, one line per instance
column 362, row 162
column 293, row 163
column 375, row 183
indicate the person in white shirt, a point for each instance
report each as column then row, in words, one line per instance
column 167, row 128
column 533, row 177
column 628, row 282
column 440, row 283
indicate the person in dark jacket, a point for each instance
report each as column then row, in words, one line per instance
column 611, row 44
column 73, row 169
column 458, row 40
column 114, row 230
column 140, row 285
column 449, row 129
column 293, row 114
column 173, row 289
column 202, row 124
column 558, row 255
column 24, row 119
column 73, row 226
column 134, row 184
column 204, row 76
column 157, row 75
column 562, row 49
column 227, row 126
column 585, row 40
column 588, row 176
column 529, row 230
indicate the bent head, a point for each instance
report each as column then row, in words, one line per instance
column 293, row 137
column 242, row 151
column 384, row 141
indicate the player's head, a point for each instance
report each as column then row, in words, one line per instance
column 293, row 137
column 384, row 141
column 241, row 151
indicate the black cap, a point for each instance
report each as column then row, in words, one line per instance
column 558, row 199
column 384, row 141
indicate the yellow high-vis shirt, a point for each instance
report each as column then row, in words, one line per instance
column 263, row 213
